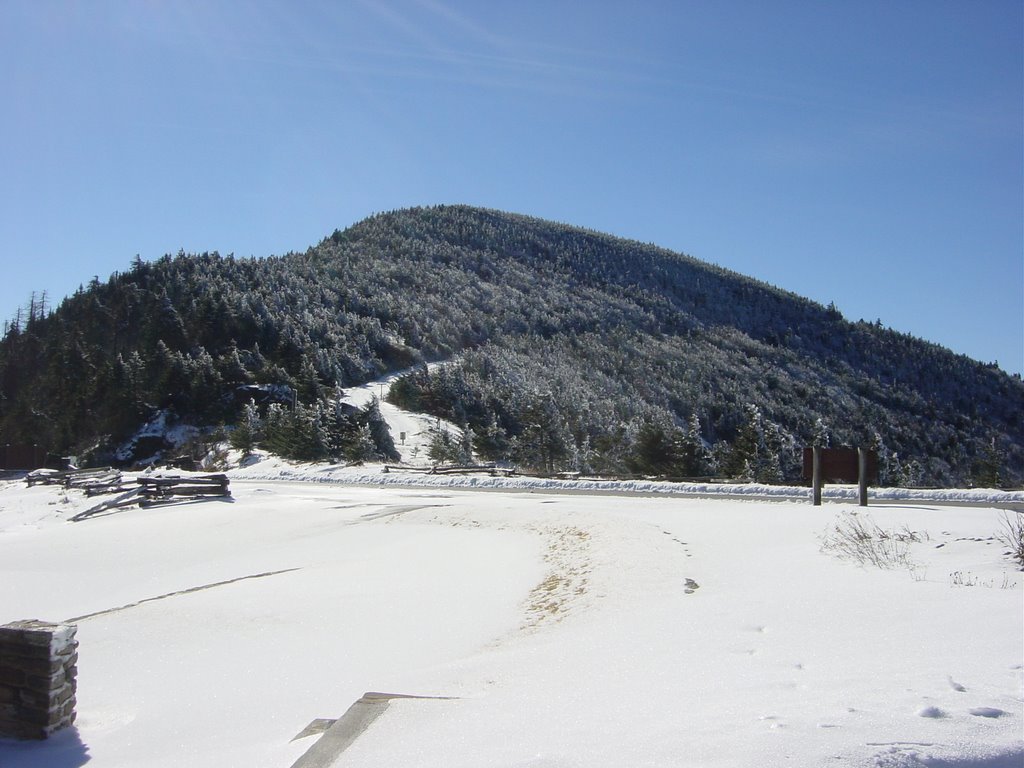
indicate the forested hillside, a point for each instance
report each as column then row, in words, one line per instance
column 564, row 349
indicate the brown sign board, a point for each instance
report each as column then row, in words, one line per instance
column 840, row 465
column 22, row 456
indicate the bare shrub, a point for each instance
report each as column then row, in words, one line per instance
column 1011, row 536
column 856, row 537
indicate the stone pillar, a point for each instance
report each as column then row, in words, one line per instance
column 37, row 678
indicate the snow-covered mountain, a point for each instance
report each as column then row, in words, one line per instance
column 566, row 347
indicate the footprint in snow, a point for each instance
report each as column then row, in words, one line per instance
column 691, row 586
column 931, row 712
column 956, row 686
column 987, row 712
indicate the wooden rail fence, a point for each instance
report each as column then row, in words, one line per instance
column 162, row 490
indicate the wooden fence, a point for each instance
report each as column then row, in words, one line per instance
column 92, row 481
column 163, row 490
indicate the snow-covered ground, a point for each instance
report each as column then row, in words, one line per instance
column 567, row 628
column 558, row 622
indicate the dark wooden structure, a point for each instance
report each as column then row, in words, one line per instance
column 840, row 465
column 92, row 481
column 153, row 491
column 22, row 456
column 162, row 490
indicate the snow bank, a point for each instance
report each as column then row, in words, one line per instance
column 272, row 468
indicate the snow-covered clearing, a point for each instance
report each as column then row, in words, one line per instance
column 570, row 629
column 410, row 431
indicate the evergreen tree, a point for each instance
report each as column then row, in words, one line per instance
column 443, row 447
column 361, row 447
column 988, row 468
column 581, row 456
column 339, row 425
column 492, row 442
column 278, row 430
column 380, row 432
column 466, row 445
column 542, row 445
column 754, row 456
column 822, row 434
column 694, row 460
column 296, row 433
column 247, row 433
column 885, row 458
column 655, row 451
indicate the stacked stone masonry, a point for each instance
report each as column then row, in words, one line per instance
column 37, row 678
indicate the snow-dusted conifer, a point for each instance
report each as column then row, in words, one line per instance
column 248, row 432
column 822, row 434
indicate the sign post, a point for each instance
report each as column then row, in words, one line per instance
column 816, row 476
column 844, row 465
column 862, row 477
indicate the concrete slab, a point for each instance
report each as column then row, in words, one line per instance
column 347, row 728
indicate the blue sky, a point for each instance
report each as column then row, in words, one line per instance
column 866, row 153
